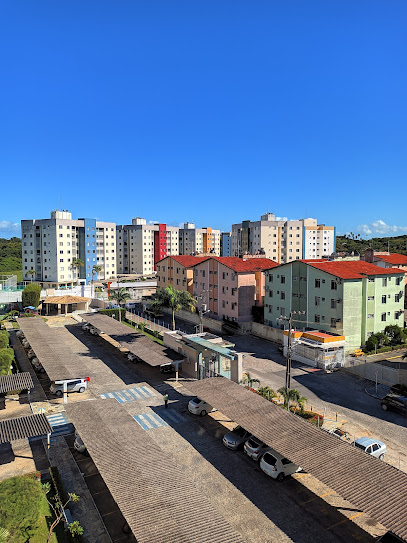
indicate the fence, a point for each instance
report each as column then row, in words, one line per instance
column 374, row 371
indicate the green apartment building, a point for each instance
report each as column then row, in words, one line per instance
column 350, row 298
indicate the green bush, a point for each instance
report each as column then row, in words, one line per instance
column 19, row 507
column 4, row 339
column 31, row 295
column 60, row 494
column 113, row 312
column 6, row 359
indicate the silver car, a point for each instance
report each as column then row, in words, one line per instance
column 371, row 446
column 236, row 438
column 79, row 445
column 255, row 448
column 73, row 385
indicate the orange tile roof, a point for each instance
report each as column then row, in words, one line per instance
column 351, row 269
column 394, row 258
column 245, row 266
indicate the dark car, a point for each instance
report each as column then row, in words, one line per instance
column 395, row 402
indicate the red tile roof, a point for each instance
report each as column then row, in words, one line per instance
column 351, row 269
column 245, row 266
column 185, row 260
column 394, row 258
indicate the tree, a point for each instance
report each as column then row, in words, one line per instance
column 292, row 395
column 249, row 380
column 31, row 295
column 95, row 271
column 371, row 343
column 395, row 334
column 120, row 295
column 6, row 360
column 77, row 264
column 32, row 273
column 382, row 339
column 58, row 509
column 299, row 400
column 4, row 339
column 174, row 300
column 266, row 392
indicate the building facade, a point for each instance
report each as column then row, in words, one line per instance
column 140, row 246
column 283, row 240
column 49, row 247
column 226, row 244
column 229, row 286
column 177, row 271
column 351, row 299
column 389, row 260
column 194, row 241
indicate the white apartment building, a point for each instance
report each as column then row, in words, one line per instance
column 226, row 244
column 141, row 245
column 49, row 247
column 198, row 240
column 283, row 240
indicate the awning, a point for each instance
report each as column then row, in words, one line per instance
column 16, row 381
column 24, row 427
column 368, row 483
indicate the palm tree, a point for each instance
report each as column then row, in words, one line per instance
column 267, row 392
column 120, row 295
column 249, row 380
column 77, row 264
column 95, row 271
column 289, row 395
column 32, row 273
column 174, row 300
column 299, row 400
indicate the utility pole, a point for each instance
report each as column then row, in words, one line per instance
column 289, row 347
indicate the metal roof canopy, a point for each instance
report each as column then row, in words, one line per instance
column 158, row 502
column 371, row 485
column 16, row 381
column 148, row 350
column 59, row 361
column 24, row 427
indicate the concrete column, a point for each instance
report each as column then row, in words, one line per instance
column 236, row 368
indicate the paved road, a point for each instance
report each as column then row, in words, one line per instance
column 338, row 392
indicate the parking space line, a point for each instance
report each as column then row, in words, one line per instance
column 345, row 520
column 320, row 496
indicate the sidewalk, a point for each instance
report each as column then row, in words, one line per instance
column 85, row 510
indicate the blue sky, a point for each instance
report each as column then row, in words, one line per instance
column 207, row 111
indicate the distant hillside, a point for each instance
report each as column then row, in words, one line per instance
column 10, row 255
column 353, row 243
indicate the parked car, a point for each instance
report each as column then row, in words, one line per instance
column 255, row 448
column 276, row 466
column 371, row 446
column 395, row 402
column 399, row 389
column 73, row 385
column 167, row 368
column 199, row 407
column 86, row 327
column 31, row 354
column 133, row 357
column 37, row 365
column 79, row 445
column 236, row 438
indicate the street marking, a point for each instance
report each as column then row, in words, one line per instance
column 149, row 421
column 172, row 416
column 346, row 519
column 129, row 394
column 57, row 420
column 321, row 496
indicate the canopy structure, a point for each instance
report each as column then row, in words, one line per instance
column 24, row 427
column 146, row 349
column 16, row 381
column 368, row 483
column 66, row 304
column 158, row 502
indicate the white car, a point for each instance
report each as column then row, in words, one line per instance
column 276, row 466
column 37, row 365
column 199, row 407
column 255, row 448
column 79, row 445
column 73, row 385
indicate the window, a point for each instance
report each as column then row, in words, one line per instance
column 317, row 300
column 370, row 316
column 282, row 279
column 384, row 282
column 333, row 323
column 333, row 304
column 318, row 284
column 396, row 315
column 270, row 278
column 370, row 298
column 282, row 295
column 383, row 317
column 384, row 299
column 371, row 279
column 317, row 318
column 334, row 285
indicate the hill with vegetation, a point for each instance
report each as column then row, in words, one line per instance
column 354, row 243
column 10, row 257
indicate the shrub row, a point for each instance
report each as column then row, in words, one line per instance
column 61, row 498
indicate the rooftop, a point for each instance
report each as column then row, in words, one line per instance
column 185, row 260
column 346, row 269
column 239, row 265
column 393, row 258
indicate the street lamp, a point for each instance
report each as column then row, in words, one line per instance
column 289, row 347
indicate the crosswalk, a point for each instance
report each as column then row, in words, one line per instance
column 59, row 424
column 149, row 421
column 129, row 394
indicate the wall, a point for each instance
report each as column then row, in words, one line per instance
column 385, row 375
column 267, row 332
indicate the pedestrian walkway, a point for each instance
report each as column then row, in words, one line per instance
column 129, row 394
column 59, row 424
column 148, row 421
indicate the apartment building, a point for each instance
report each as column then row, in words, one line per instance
column 177, row 271
column 140, row 245
column 231, row 286
column 283, row 240
column 194, row 241
column 49, row 247
column 353, row 299
column 226, row 244
column 389, row 260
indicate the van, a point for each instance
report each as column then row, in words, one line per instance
column 73, row 385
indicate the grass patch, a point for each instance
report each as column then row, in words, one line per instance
column 25, row 512
column 19, row 274
column 157, row 340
